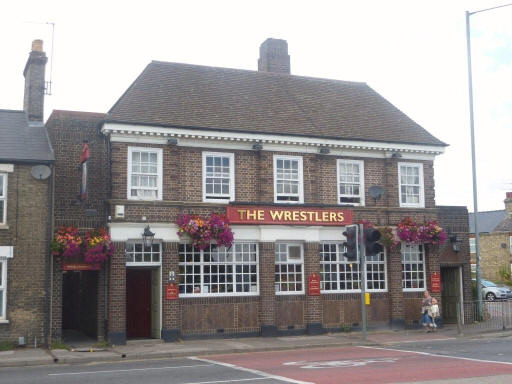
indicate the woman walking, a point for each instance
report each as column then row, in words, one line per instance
column 426, row 320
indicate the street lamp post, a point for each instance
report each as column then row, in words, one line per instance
column 473, row 161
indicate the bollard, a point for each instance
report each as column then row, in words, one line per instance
column 459, row 330
column 503, row 315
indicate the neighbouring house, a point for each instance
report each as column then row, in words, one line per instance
column 291, row 161
column 495, row 229
column 26, row 180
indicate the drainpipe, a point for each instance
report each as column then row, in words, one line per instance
column 49, row 263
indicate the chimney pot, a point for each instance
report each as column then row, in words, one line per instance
column 37, row 45
column 508, row 203
column 274, row 56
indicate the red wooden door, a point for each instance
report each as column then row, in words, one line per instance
column 138, row 303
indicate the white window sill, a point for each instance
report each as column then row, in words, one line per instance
column 4, row 226
column 413, row 289
column 213, row 295
column 412, row 205
column 4, row 321
column 290, row 293
column 224, row 201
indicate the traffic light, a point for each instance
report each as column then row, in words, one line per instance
column 371, row 238
column 351, row 245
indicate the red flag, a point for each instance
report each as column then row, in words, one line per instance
column 85, row 153
column 83, row 179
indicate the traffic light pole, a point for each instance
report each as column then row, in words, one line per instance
column 362, row 270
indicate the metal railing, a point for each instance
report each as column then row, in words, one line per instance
column 494, row 315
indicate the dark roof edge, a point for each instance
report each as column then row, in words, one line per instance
column 12, row 110
column 27, row 161
column 263, row 73
column 273, row 133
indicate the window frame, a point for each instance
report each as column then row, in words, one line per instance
column 472, row 245
column 421, row 251
column 340, row 260
column 3, row 290
column 372, row 262
column 300, row 193
column 202, row 264
column 287, row 262
column 231, row 196
column 159, row 162
column 361, row 181
column 143, row 263
column 3, row 198
column 421, row 185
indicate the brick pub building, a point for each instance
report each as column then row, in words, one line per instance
column 292, row 161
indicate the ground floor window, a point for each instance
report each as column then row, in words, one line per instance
column 376, row 279
column 218, row 270
column 413, row 267
column 3, row 289
column 339, row 275
column 139, row 255
column 336, row 273
column 289, row 268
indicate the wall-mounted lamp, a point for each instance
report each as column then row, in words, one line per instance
column 455, row 241
column 172, row 141
column 147, row 237
column 396, row 155
column 324, row 150
column 257, row 147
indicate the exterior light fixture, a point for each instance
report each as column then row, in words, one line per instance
column 455, row 241
column 147, row 237
column 324, row 150
column 257, row 147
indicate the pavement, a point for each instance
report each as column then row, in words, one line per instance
column 151, row 349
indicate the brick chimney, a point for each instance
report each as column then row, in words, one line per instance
column 274, row 56
column 33, row 100
column 508, row 203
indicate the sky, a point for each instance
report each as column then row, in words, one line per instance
column 411, row 52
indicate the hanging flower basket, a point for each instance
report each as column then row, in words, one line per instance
column 388, row 238
column 427, row 233
column 408, row 231
column 203, row 230
column 431, row 233
column 67, row 243
column 98, row 247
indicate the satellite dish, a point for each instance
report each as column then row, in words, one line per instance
column 376, row 192
column 40, row 172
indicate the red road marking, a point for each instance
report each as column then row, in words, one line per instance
column 373, row 365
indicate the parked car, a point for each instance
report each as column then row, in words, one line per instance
column 492, row 291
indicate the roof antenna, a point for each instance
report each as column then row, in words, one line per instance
column 48, row 85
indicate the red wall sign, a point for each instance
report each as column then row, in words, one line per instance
column 314, row 284
column 435, row 282
column 171, row 292
column 289, row 216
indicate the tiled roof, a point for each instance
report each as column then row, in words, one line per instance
column 22, row 142
column 193, row 96
column 487, row 221
column 505, row 225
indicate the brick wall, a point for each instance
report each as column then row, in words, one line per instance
column 28, row 213
column 67, row 131
column 494, row 254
